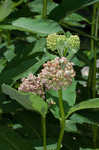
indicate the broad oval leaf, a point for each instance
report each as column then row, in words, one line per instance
column 37, row 25
column 28, row 100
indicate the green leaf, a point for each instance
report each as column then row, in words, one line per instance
column 7, row 105
column 37, row 5
column 49, row 147
column 28, row 100
column 11, row 140
column 78, row 62
column 10, row 53
column 92, row 103
column 37, row 25
column 70, row 126
column 39, row 46
column 6, row 7
column 2, row 64
column 80, row 119
column 69, row 94
column 74, row 19
column 67, row 6
column 34, row 68
column 34, row 26
column 13, row 71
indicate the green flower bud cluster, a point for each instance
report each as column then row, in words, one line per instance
column 52, row 40
column 73, row 42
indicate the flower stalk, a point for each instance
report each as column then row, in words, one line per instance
column 62, row 119
column 44, row 132
column 95, row 56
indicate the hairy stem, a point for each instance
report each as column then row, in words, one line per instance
column 92, row 70
column 95, row 56
column 62, row 119
column 44, row 132
column 44, row 10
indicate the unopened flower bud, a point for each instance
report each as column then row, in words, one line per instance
column 74, row 42
column 52, row 40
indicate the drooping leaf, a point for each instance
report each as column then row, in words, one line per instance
column 28, row 100
column 74, row 19
column 78, row 118
column 89, row 104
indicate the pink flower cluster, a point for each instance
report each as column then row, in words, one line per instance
column 57, row 73
column 32, row 84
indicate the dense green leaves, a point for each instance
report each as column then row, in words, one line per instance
column 68, row 6
column 25, row 52
column 28, row 100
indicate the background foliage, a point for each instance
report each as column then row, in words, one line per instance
column 23, row 35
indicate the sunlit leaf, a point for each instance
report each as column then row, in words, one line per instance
column 37, row 25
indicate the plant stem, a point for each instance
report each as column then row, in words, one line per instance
column 44, row 132
column 62, row 119
column 95, row 131
column 92, row 70
column 89, row 84
column 44, row 10
column 95, row 56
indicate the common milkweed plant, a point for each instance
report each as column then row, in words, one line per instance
column 57, row 75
